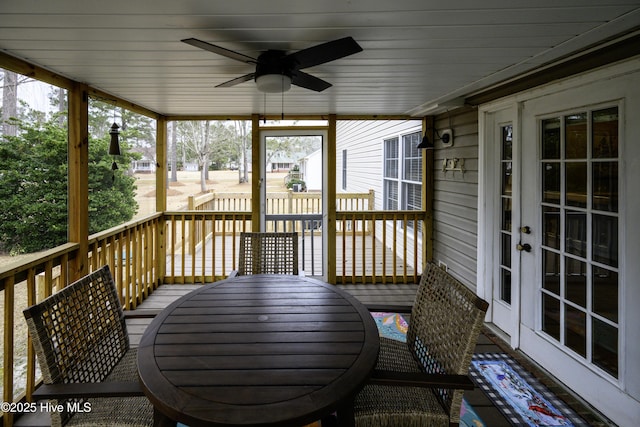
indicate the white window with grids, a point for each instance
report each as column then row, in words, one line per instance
column 402, row 175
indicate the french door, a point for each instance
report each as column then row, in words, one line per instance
column 574, row 212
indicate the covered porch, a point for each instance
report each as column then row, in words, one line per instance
column 547, row 236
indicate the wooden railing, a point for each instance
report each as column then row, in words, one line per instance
column 284, row 202
column 191, row 247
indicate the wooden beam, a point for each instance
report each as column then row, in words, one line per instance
column 19, row 66
column 161, row 164
column 78, row 190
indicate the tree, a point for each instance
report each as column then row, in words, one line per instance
column 33, row 187
column 201, row 140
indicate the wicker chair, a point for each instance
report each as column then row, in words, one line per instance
column 268, row 253
column 421, row 382
column 80, row 337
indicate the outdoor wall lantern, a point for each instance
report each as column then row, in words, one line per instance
column 446, row 138
column 114, row 146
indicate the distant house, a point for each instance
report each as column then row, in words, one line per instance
column 311, row 170
column 143, row 166
column 280, row 163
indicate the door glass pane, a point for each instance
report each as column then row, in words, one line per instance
column 506, row 250
column 505, row 289
column 551, row 316
column 605, row 239
column 576, row 136
column 551, row 138
column 575, row 331
column 506, row 214
column 576, row 233
column 551, row 183
column 605, row 346
column 551, row 269
column 605, row 293
column 605, row 186
column 576, row 281
column 605, row 133
column 576, row 184
column 551, row 227
column 506, row 178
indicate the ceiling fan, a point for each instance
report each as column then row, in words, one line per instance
column 276, row 70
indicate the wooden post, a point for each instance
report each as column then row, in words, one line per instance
column 161, row 198
column 331, row 199
column 78, row 204
column 256, row 172
column 427, row 191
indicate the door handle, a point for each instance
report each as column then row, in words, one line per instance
column 523, row 247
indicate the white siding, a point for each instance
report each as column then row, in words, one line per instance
column 455, row 197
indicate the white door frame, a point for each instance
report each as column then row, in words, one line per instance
column 292, row 131
column 490, row 119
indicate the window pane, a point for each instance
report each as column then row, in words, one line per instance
column 576, row 136
column 576, row 233
column 551, row 225
column 576, row 281
column 412, row 157
column 605, row 133
column 551, row 183
column 576, row 184
column 605, row 239
column 551, row 269
column 605, row 346
column 391, row 158
column 551, row 138
column 575, row 330
column 412, row 197
column 390, row 195
column 605, row 293
column 605, row 186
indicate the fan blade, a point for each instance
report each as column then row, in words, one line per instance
column 325, row 52
column 238, row 80
column 220, row 51
column 309, row 82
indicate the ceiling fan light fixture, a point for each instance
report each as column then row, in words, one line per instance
column 273, row 83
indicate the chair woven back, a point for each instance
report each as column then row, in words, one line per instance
column 268, row 253
column 79, row 334
column 446, row 320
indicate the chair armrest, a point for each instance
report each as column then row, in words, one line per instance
column 87, row 390
column 419, row 379
column 405, row 309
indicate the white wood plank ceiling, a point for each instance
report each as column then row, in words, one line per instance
column 417, row 53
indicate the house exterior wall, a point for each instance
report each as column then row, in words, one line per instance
column 455, row 196
column 363, row 141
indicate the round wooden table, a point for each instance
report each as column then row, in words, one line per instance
column 261, row 350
